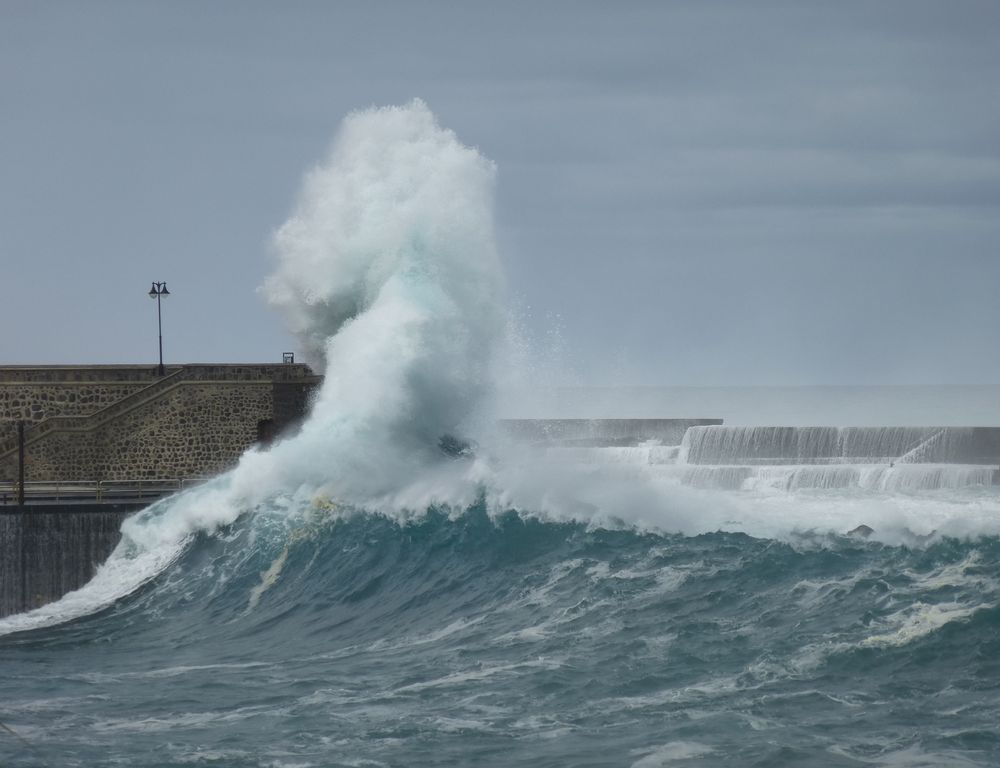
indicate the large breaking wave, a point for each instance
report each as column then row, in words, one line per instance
column 388, row 272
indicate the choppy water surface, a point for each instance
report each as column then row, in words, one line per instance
column 471, row 641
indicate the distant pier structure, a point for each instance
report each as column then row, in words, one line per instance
column 601, row 432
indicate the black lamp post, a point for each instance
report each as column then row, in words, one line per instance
column 158, row 290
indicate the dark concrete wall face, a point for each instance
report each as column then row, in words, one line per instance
column 44, row 555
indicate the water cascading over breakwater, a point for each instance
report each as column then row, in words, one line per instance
column 873, row 458
column 842, row 445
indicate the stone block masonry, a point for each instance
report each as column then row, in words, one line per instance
column 125, row 423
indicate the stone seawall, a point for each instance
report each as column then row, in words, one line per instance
column 35, row 393
column 103, row 423
column 194, row 430
column 45, row 554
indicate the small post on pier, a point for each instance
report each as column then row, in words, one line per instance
column 20, row 463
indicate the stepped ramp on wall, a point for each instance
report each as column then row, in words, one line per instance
column 83, row 427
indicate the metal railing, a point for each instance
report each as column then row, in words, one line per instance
column 110, row 491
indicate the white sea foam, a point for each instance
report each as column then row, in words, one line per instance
column 653, row 498
column 267, row 579
column 127, row 568
column 482, row 672
column 916, row 621
column 909, row 757
column 176, row 721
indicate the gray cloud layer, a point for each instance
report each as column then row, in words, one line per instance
column 703, row 192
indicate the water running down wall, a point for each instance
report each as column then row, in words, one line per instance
column 46, row 552
column 878, row 459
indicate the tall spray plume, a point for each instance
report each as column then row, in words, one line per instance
column 388, row 272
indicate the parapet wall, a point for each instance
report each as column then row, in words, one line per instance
column 108, row 423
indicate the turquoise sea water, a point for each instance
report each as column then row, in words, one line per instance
column 465, row 639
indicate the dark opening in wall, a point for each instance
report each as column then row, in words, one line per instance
column 266, row 431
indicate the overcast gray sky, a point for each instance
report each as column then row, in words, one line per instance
column 693, row 192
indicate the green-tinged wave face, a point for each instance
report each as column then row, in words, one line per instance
column 352, row 639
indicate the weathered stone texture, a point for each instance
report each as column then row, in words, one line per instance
column 193, row 430
column 194, row 423
column 35, row 402
column 32, row 394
